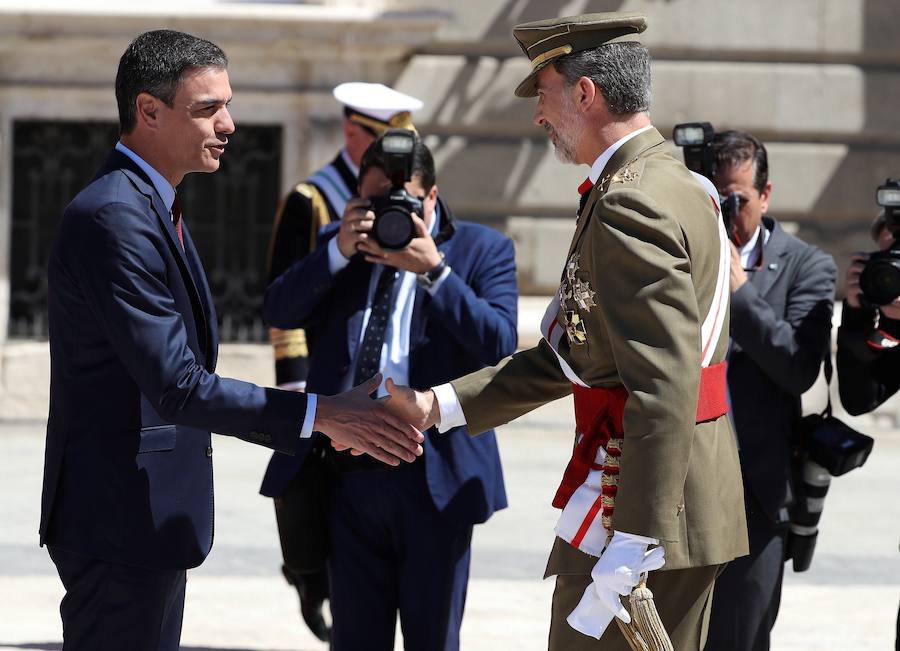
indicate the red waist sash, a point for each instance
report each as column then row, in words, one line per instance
column 599, row 413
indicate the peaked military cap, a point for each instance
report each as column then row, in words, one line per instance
column 377, row 106
column 542, row 41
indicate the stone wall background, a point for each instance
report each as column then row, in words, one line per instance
column 817, row 80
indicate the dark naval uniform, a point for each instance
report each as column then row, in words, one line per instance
column 308, row 208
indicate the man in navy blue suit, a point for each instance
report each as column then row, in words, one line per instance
column 127, row 503
column 399, row 539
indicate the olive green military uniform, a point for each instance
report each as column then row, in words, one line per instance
column 648, row 249
column 641, row 274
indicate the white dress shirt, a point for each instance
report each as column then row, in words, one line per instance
column 751, row 251
column 395, row 350
column 448, row 402
column 167, row 194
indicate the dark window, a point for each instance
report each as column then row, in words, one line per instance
column 229, row 214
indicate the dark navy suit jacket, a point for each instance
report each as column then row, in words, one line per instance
column 133, row 393
column 469, row 323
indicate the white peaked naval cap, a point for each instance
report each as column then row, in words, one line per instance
column 384, row 106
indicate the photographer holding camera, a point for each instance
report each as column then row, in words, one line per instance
column 401, row 287
column 781, row 306
column 867, row 355
column 867, row 343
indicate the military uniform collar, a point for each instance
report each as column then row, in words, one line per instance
column 603, row 159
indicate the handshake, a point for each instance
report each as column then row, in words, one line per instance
column 388, row 429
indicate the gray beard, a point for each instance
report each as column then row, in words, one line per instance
column 566, row 147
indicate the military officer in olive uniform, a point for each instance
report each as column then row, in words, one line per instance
column 638, row 332
column 369, row 110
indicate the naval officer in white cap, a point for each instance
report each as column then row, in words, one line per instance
column 369, row 110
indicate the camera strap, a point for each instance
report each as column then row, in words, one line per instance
column 828, row 373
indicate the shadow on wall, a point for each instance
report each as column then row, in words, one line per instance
column 865, row 167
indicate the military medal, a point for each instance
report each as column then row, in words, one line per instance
column 575, row 330
column 583, row 295
column 574, row 289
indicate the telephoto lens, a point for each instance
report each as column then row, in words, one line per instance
column 805, row 514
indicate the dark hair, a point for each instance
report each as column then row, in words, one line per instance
column 620, row 70
column 154, row 63
column 734, row 148
column 422, row 163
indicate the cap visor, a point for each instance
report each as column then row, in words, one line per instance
column 528, row 87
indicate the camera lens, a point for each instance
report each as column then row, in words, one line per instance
column 880, row 279
column 394, row 228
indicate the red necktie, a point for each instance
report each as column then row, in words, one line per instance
column 176, row 219
column 586, row 186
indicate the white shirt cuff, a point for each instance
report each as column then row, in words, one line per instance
column 310, row 418
column 336, row 259
column 451, row 411
column 440, row 281
column 299, row 385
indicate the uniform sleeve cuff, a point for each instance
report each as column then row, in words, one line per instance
column 451, row 411
column 336, row 259
column 310, row 418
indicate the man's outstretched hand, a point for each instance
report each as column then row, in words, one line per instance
column 419, row 408
column 353, row 420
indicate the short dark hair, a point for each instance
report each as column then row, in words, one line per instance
column 154, row 63
column 422, row 162
column 620, row 70
column 734, row 148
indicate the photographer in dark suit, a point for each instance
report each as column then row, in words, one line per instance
column 445, row 305
column 781, row 306
column 868, row 355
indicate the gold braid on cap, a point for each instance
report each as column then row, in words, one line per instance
column 402, row 120
column 550, row 54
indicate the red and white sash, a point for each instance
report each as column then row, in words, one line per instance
column 587, row 492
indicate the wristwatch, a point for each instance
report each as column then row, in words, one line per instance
column 429, row 278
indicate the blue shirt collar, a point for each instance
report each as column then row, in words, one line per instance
column 163, row 187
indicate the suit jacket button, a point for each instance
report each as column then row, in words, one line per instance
column 209, row 451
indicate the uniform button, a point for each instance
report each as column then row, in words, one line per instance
column 209, row 451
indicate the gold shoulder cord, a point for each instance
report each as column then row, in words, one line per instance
column 320, row 215
column 289, row 344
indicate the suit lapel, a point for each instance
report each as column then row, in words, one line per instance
column 195, row 266
column 773, row 265
column 359, row 277
column 623, row 155
column 165, row 220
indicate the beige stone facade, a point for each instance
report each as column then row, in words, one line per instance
column 817, row 80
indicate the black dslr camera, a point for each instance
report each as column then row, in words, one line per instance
column 825, row 448
column 393, row 228
column 880, row 278
column 694, row 139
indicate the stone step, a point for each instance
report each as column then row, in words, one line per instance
column 816, row 25
column 459, row 91
column 811, row 182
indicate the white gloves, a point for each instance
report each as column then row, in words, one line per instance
column 617, row 571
